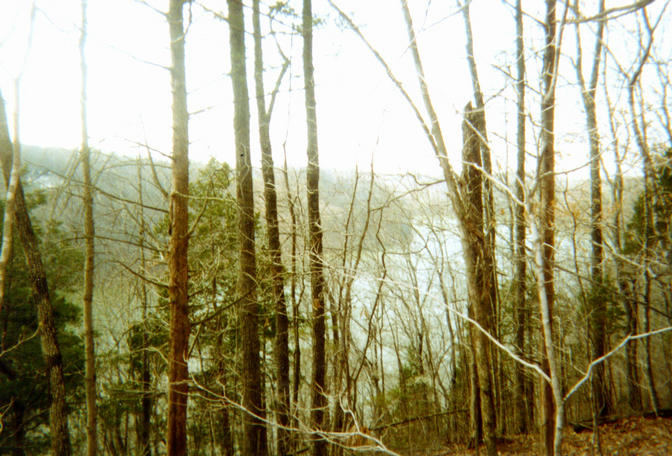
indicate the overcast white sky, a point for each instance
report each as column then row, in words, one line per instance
column 360, row 114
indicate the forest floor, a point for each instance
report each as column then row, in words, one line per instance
column 638, row 436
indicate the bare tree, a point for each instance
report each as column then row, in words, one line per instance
column 89, row 234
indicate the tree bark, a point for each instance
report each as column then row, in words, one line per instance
column 598, row 310
column 58, row 412
column 547, row 224
column 476, row 251
column 254, row 442
column 178, row 371
column 488, row 212
column 650, row 195
column 318, row 384
column 523, row 418
column 89, row 236
column 281, row 341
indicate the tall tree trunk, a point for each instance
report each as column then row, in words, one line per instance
column 475, row 245
column 650, row 195
column 488, row 212
column 523, row 418
column 546, row 178
column 598, row 310
column 89, row 234
column 318, row 384
column 58, row 412
column 178, row 371
column 254, row 442
column 625, row 287
column 281, row 342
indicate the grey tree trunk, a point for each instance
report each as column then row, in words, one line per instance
column 254, row 441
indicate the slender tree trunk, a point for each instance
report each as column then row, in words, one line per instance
column 144, row 424
column 318, row 383
column 89, row 234
column 254, row 441
column 296, row 362
column 547, row 229
column 178, row 371
column 598, row 310
column 523, row 418
column 281, row 342
column 58, row 413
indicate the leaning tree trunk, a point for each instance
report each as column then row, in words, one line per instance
column 58, row 412
column 254, row 441
column 178, row 371
column 89, row 234
column 318, row 384
column 281, row 342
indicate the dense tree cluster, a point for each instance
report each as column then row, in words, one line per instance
column 157, row 305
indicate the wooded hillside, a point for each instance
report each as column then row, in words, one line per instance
column 512, row 299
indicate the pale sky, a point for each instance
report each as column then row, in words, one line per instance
column 360, row 113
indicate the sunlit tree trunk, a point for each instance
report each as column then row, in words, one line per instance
column 178, row 370
column 254, row 440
